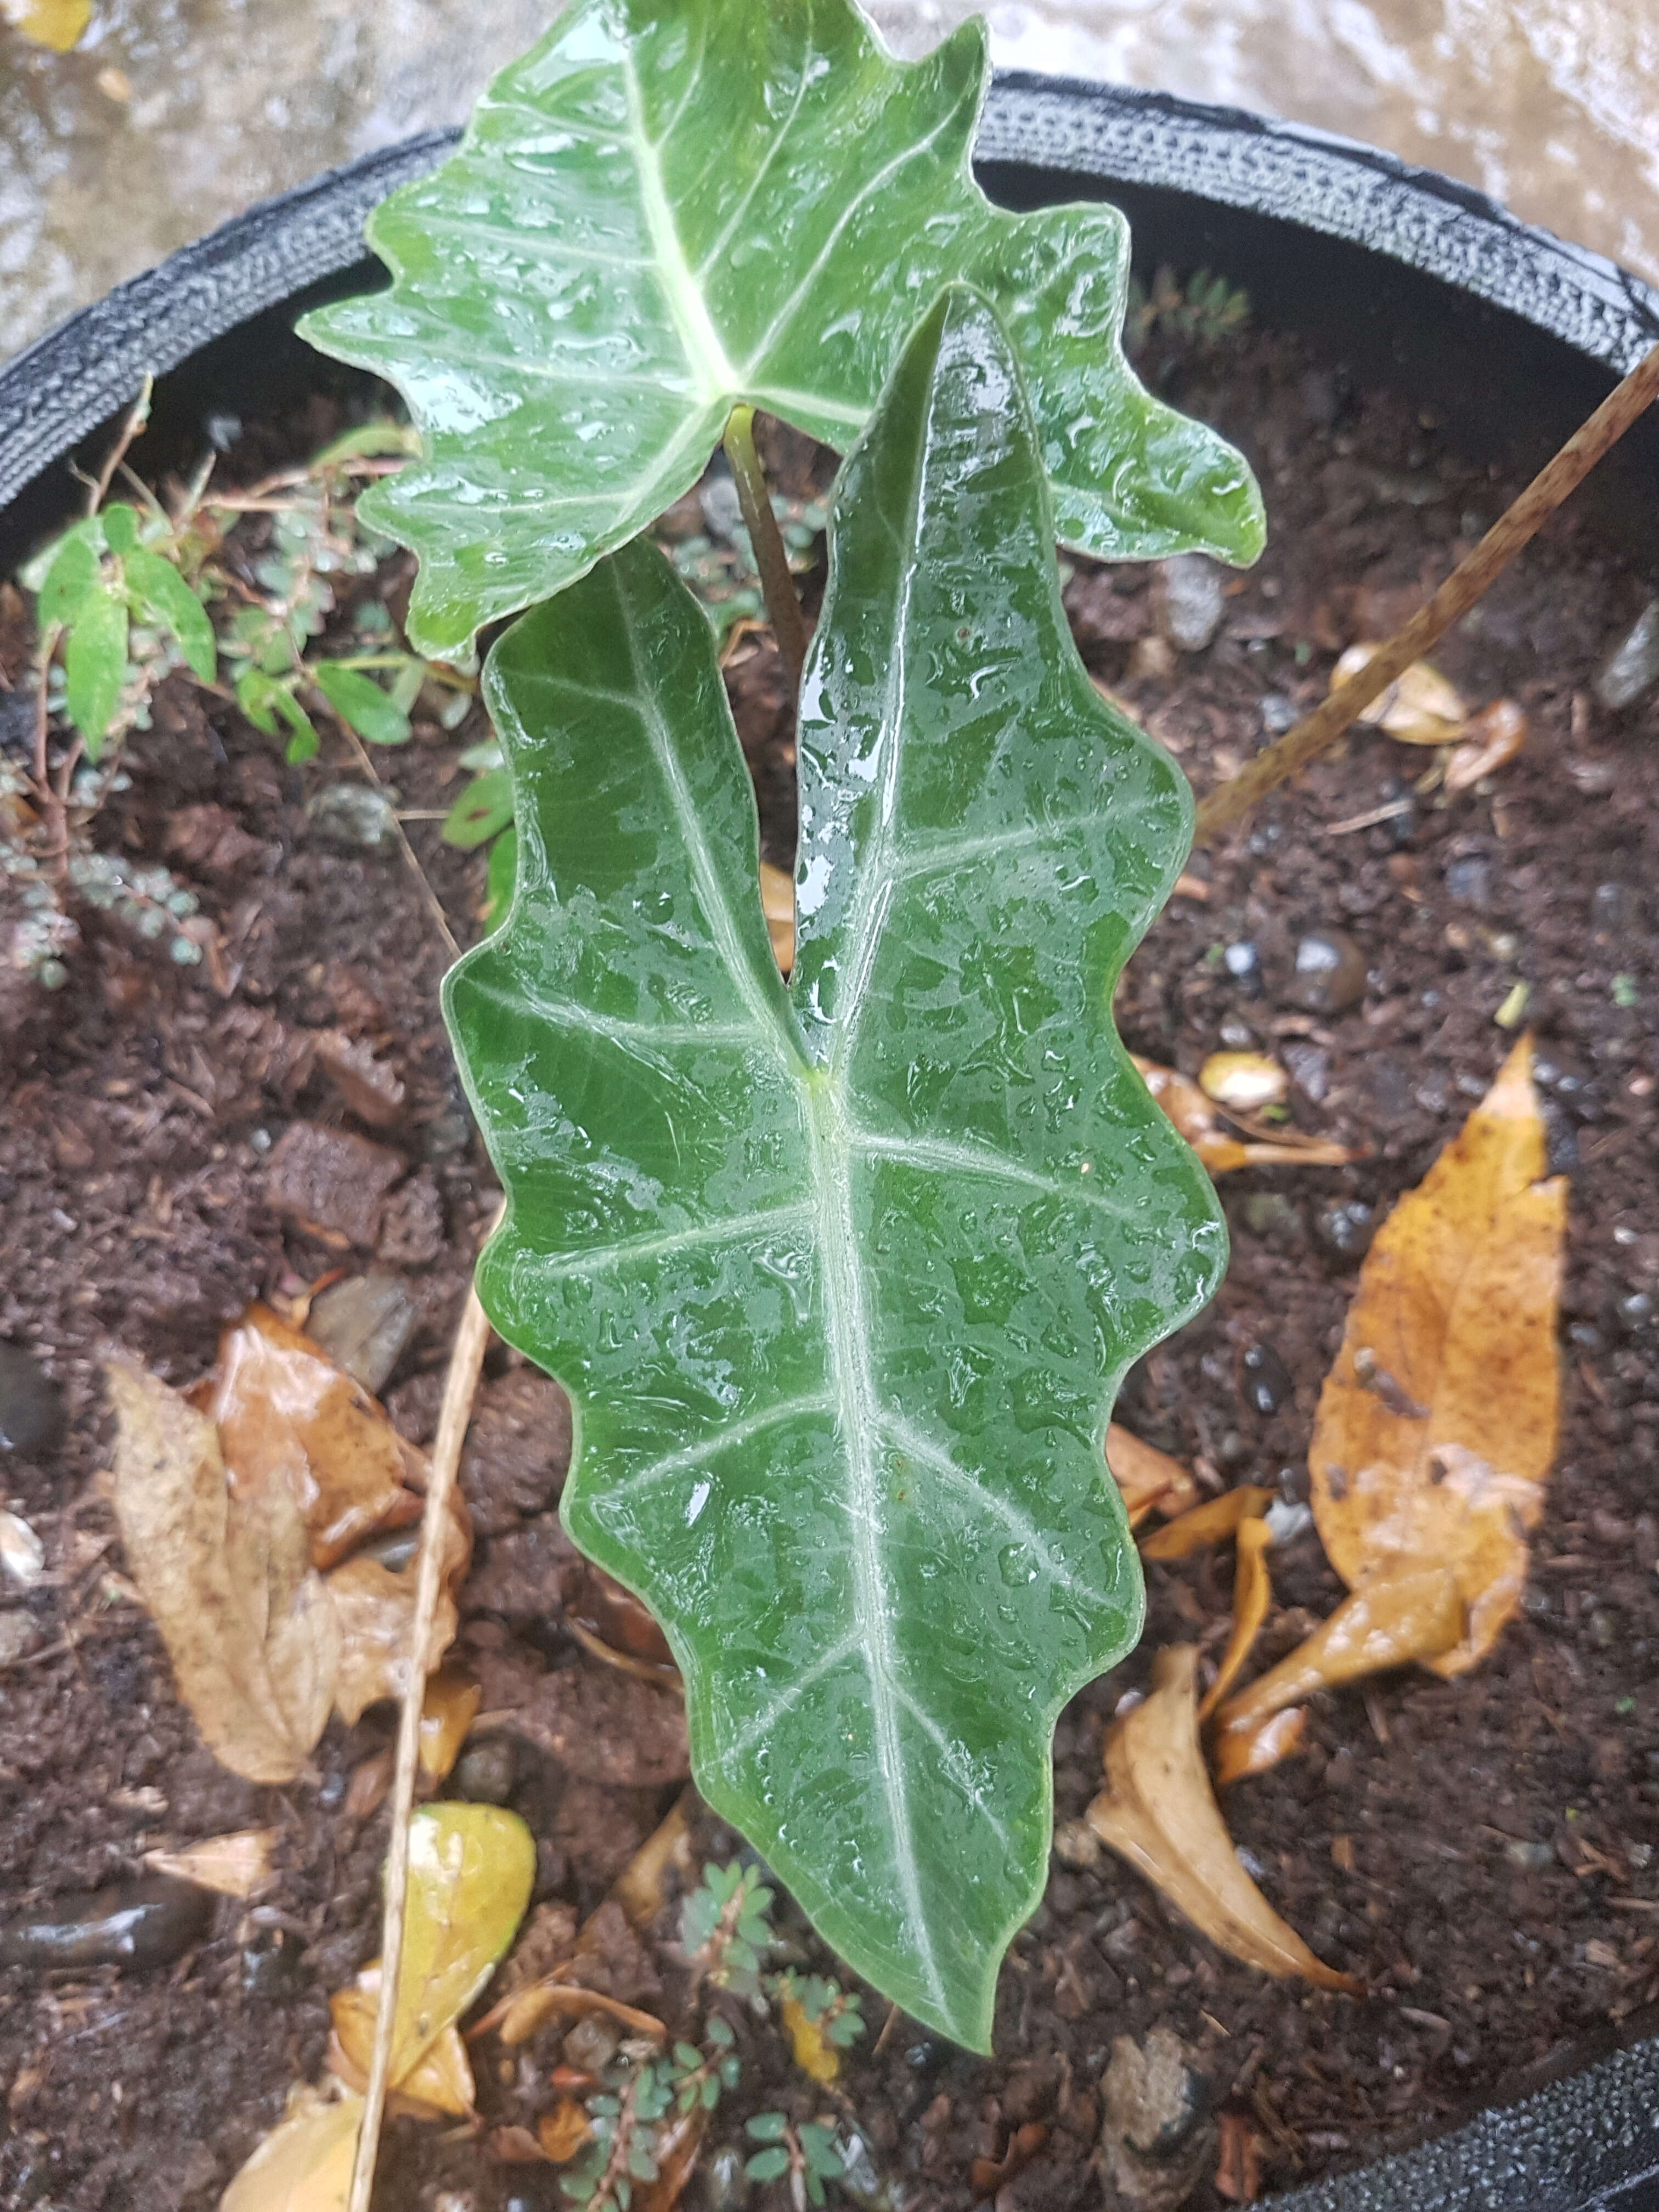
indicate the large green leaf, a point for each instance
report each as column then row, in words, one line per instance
column 842, row 1278
column 671, row 205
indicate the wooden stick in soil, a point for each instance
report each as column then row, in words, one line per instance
column 771, row 557
column 1316, row 732
column 461, row 1387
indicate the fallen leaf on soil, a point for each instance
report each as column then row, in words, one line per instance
column 246, row 1620
column 439, row 2084
column 452, row 1704
column 1244, row 1082
column 814, row 2053
column 1391, row 1618
column 1421, row 708
column 375, row 1609
column 237, row 1865
column 612, row 1624
column 1150, row 1481
column 287, row 1414
column 1253, row 1593
column 1212, row 1522
column 988, row 2175
column 1488, row 741
column 778, row 905
column 1436, row 1426
column 1158, row 1811
column 1238, row 2166
column 563, row 2132
column 305, row 2164
column 1240, row 1752
column 57, row 25
column 524, row 2013
column 640, row 1888
column 1199, row 1121
column 470, row 1871
column 676, row 2152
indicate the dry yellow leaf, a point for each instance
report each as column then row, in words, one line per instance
column 518, row 2017
column 815, row 2055
column 1244, row 1082
column 375, row 1610
column 1158, row 1812
column 1436, row 1426
column 440, row 2083
column 305, row 2164
column 1199, row 1121
column 56, row 24
column 1212, row 1522
column 1253, row 1593
column 470, row 1871
column 452, row 1704
column 1421, row 708
column 245, row 1619
column 236, row 1865
column 1150, row 1480
column 1391, row 1619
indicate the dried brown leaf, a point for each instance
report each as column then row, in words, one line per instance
column 1487, row 742
column 375, row 1609
column 1150, row 1481
column 452, row 1704
column 1200, row 1121
column 1240, row 1752
column 1212, row 1522
column 245, row 1619
column 287, row 1414
column 1419, row 708
column 236, row 1865
column 778, row 905
column 1158, row 1811
column 1253, row 1593
column 1436, row 1426
column 1391, row 1619
column 561, row 2132
column 1244, row 1082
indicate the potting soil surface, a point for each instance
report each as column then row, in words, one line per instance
column 1479, row 1853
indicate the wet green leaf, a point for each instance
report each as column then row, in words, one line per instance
column 265, row 701
column 161, row 593
column 360, row 702
column 120, row 528
column 660, row 211
column 843, row 1277
column 503, row 872
column 95, row 665
column 483, row 809
column 73, row 573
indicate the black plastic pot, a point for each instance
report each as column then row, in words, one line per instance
column 1421, row 283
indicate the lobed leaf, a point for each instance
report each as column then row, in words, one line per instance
column 659, row 212
column 841, row 1278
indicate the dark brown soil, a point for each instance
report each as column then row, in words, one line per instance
column 1479, row 1852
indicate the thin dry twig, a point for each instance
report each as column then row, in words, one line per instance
column 1520, row 522
column 434, row 905
column 137, row 416
column 461, row 1387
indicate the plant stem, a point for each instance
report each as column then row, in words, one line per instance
column 139, row 415
column 461, row 1387
column 411, row 859
column 777, row 585
column 1316, row 732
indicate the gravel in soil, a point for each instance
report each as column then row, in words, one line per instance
column 1479, row 1853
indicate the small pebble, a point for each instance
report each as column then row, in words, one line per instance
column 1330, row 973
column 21, row 1553
column 1345, row 1228
column 1470, row 881
column 486, row 1771
column 352, row 815
column 1270, row 1212
column 270, row 1966
column 1240, row 960
column 1310, row 1070
column 1187, row 595
column 18, row 1637
column 726, row 2187
column 1267, row 1383
column 1279, row 713
column 722, row 509
column 591, row 2043
column 1533, row 1857
column 1631, row 669
column 1602, row 1628
column 31, row 1406
column 144, row 1924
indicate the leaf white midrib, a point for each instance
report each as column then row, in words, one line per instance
column 747, row 197
column 697, row 332
column 908, row 1439
column 919, row 855
column 735, row 1432
column 568, row 1014
column 846, row 1333
column 950, row 1158
column 729, row 1228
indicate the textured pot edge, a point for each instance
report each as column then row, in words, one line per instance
column 82, row 372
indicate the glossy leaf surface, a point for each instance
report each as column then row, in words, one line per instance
column 660, row 211
column 842, row 1277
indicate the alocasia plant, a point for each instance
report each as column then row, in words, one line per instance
column 842, row 1276
column 665, row 210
